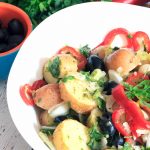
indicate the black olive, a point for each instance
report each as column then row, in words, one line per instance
column 15, row 39
column 94, row 62
column 106, row 126
column 108, row 86
column 3, row 47
column 107, row 115
column 3, row 35
column 15, row 27
column 118, row 140
column 60, row 119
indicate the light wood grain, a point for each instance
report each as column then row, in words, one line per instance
column 10, row 138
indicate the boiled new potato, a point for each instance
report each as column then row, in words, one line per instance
column 79, row 93
column 47, row 96
column 58, row 67
column 71, row 135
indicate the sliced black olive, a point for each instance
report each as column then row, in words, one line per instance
column 3, row 35
column 15, row 39
column 118, row 140
column 3, row 47
column 15, row 27
column 94, row 62
column 108, row 86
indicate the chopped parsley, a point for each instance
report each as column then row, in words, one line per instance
column 95, row 138
column 53, row 67
column 65, row 79
column 47, row 131
column 127, row 146
column 85, row 50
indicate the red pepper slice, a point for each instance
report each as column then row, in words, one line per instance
column 81, row 59
column 136, row 77
column 26, row 94
column 145, row 41
column 37, row 84
column 132, row 108
column 113, row 33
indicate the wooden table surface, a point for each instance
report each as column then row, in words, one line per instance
column 10, row 138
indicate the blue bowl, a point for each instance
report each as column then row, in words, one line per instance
column 7, row 13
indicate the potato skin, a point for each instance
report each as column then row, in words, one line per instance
column 73, row 91
column 47, row 96
column 67, row 64
column 71, row 135
column 45, row 118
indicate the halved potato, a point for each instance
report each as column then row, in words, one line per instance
column 71, row 135
column 67, row 63
column 47, row 96
column 79, row 93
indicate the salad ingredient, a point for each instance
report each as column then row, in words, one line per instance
column 59, row 67
column 45, row 118
column 79, row 93
column 135, row 78
column 47, row 96
column 80, row 57
column 76, row 140
column 106, row 125
column 46, row 140
column 26, row 94
column 85, row 51
column 15, row 27
column 59, row 109
column 92, row 119
column 38, row 84
column 94, row 62
column 109, row 38
column 95, row 137
column 134, row 113
column 141, row 41
column 115, row 76
column 118, row 118
column 123, row 59
column 108, row 86
column 102, row 51
column 145, row 69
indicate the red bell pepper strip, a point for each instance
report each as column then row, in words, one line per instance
column 81, row 59
column 132, row 108
column 145, row 41
column 37, row 84
column 26, row 94
column 135, row 2
column 136, row 77
column 113, row 33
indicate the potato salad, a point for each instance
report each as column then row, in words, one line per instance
column 95, row 98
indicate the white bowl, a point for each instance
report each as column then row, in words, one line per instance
column 76, row 26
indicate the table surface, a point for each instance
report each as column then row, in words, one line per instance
column 10, row 138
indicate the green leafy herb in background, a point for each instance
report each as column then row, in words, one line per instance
column 38, row 10
column 85, row 50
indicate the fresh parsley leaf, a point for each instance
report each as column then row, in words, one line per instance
column 95, row 138
column 85, row 50
column 47, row 131
column 65, row 79
column 101, row 104
column 53, row 67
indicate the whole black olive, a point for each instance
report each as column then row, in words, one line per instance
column 15, row 27
column 3, row 47
column 3, row 35
column 108, row 86
column 94, row 62
column 107, row 115
column 15, row 39
column 60, row 119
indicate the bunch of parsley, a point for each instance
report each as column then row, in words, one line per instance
column 38, row 10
